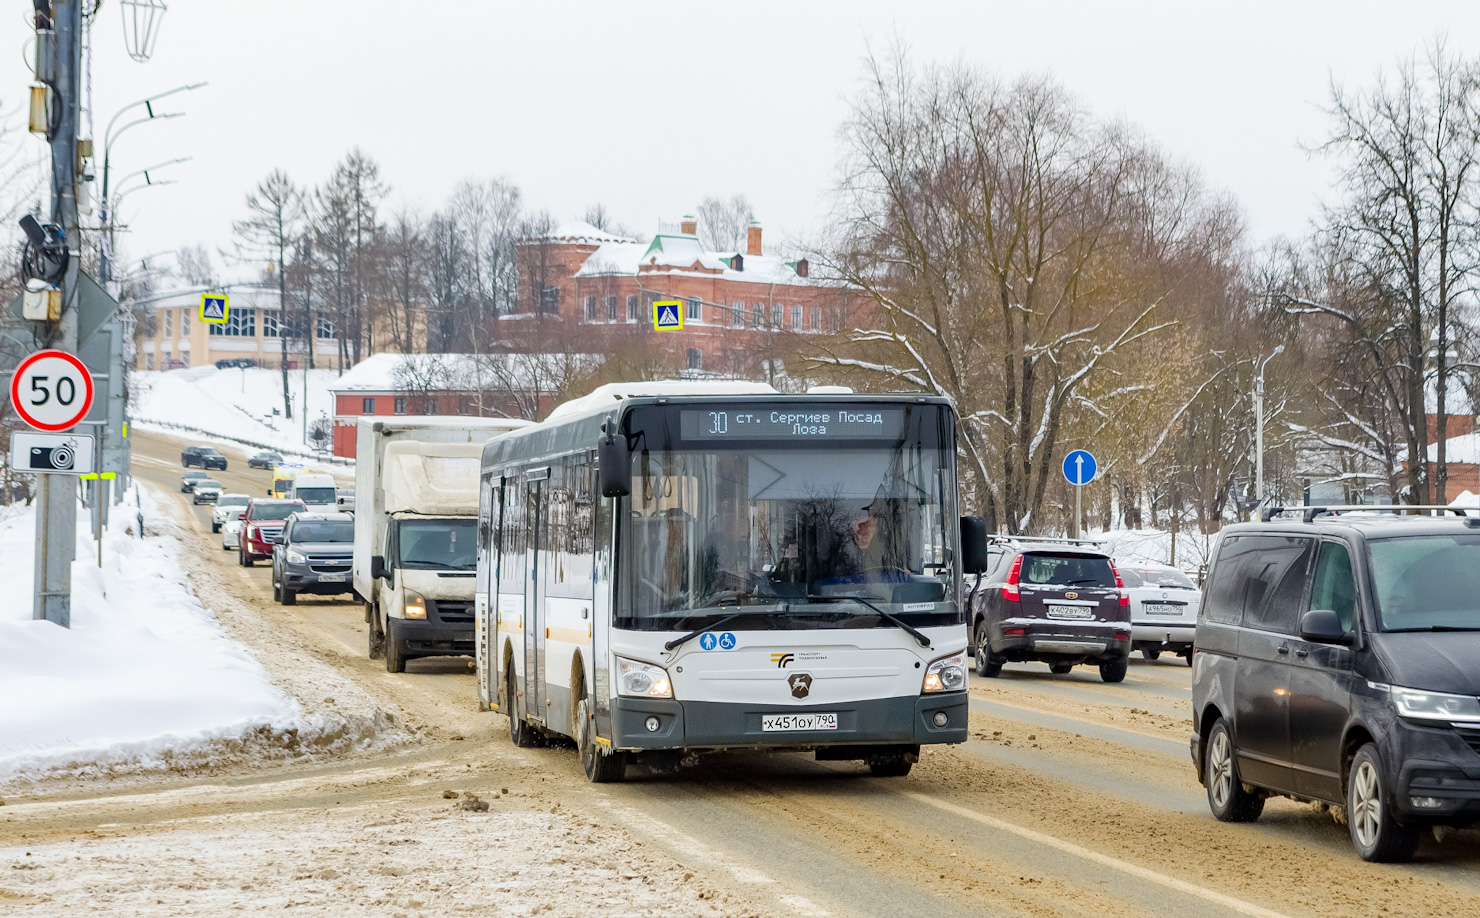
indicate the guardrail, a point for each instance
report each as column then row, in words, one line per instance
column 326, row 456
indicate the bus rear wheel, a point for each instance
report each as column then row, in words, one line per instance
column 891, row 763
column 601, row 767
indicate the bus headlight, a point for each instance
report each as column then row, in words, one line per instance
column 642, row 679
column 415, row 606
column 948, row 674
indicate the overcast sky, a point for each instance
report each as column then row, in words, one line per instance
column 647, row 108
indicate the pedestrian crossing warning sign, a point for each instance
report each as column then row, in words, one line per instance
column 667, row 315
column 214, row 308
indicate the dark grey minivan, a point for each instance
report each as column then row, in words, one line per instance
column 1338, row 660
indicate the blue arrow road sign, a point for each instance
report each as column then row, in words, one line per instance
column 1080, row 467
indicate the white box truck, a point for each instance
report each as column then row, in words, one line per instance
column 416, row 541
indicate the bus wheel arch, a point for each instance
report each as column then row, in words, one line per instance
column 600, row 765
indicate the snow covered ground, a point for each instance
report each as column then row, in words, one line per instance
column 1154, row 545
column 145, row 679
column 236, row 404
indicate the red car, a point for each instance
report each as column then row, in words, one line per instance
column 262, row 521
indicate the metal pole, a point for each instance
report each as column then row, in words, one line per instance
column 1259, row 436
column 56, row 520
column 1077, row 511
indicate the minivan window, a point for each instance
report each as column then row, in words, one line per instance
column 1335, row 588
column 1427, row 583
column 1260, row 580
column 1066, row 570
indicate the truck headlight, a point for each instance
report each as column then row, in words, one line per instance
column 296, row 557
column 642, row 679
column 415, row 605
column 948, row 674
column 1433, row 705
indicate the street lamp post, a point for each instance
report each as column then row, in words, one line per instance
column 109, row 135
column 1259, row 425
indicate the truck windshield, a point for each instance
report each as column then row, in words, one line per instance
column 786, row 535
column 437, row 545
column 324, row 531
column 1424, row 583
column 315, row 495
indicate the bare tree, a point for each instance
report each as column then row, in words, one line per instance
column 722, row 224
column 404, row 267
column 275, row 211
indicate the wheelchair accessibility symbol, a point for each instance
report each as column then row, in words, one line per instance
column 724, row 641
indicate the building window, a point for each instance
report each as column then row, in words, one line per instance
column 367, row 405
column 550, row 298
column 737, row 311
column 693, row 311
column 634, row 313
column 431, row 405
column 611, row 309
column 796, row 318
column 169, row 315
column 816, row 318
column 590, row 309
column 696, row 359
column 464, row 406
column 778, row 315
column 148, row 361
column 184, row 323
column 758, row 315
column 240, row 323
column 835, row 321
column 400, row 405
column 325, row 328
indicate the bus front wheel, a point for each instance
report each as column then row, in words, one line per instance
column 601, row 767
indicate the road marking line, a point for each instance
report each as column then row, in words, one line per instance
column 1191, row 889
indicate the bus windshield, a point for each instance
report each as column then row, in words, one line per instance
column 800, row 537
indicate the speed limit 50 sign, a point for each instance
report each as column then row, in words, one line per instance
column 51, row 390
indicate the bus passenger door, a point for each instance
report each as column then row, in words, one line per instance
column 534, row 598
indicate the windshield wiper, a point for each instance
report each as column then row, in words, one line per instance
column 709, row 627
column 889, row 617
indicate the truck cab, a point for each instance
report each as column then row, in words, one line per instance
column 316, row 490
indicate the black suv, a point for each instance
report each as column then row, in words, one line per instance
column 313, row 554
column 1338, row 660
column 1057, row 602
column 205, row 457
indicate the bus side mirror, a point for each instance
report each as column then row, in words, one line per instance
column 615, row 466
column 377, row 567
column 973, row 545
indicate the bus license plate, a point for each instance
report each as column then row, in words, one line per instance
column 1079, row 612
column 776, row 723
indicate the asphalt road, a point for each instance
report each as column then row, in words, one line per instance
column 1072, row 797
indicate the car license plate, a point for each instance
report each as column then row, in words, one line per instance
column 332, row 578
column 1161, row 608
column 1077, row 612
column 778, row 723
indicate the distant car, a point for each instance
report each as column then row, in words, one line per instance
column 262, row 521
column 231, row 529
column 224, row 504
column 264, row 460
column 230, row 364
column 314, row 554
column 205, row 491
column 1164, row 604
column 346, row 501
column 205, row 457
column 1059, row 603
column 188, row 480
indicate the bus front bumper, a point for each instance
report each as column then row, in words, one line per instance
column 707, row 725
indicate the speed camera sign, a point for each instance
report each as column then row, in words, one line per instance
column 51, row 390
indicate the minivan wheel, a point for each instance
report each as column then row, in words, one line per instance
column 1149, row 653
column 1060, row 669
column 1115, row 672
column 985, row 665
column 1226, row 795
column 1375, row 834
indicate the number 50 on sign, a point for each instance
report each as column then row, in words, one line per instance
column 51, row 390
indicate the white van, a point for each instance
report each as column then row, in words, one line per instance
column 315, row 489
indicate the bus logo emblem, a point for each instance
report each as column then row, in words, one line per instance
column 781, row 659
column 801, row 685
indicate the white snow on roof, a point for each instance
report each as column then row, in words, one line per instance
column 383, row 373
column 683, row 256
column 1466, row 499
column 580, row 231
column 607, row 396
column 1464, row 449
column 613, row 258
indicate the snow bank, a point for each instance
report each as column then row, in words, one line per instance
column 145, row 679
column 236, row 404
column 1154, row 546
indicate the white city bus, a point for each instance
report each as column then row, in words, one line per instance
column 675, row 568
